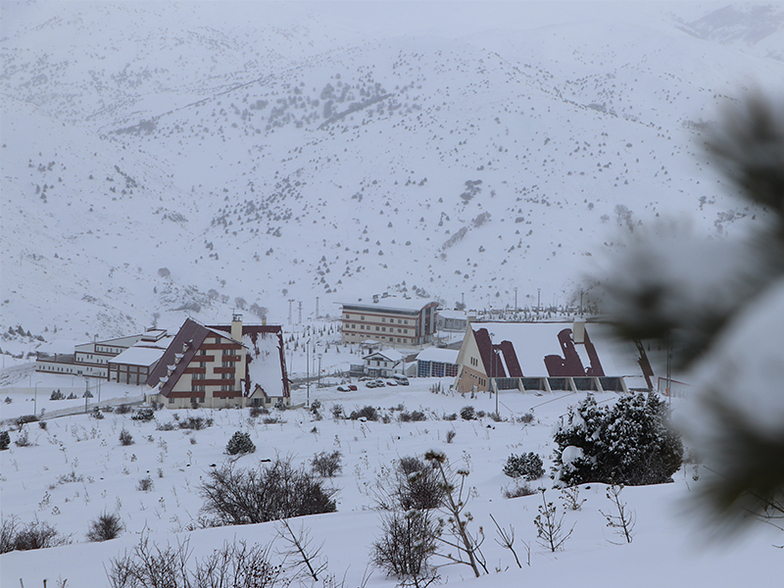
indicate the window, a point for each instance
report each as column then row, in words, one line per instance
column 201, row 400
column 171, row 400
column 383, row 320
column 377, row 328
column 228, row 364
column 217, row 339
column 361, row 317
column 384, row 329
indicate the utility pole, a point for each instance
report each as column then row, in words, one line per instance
column 290, row 301
column 317, row 312
column 307, row 370
column 319, row 371
column 515, row 299
column 300, row 313
column 539, row 299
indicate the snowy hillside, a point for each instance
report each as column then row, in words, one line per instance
column 172, row 159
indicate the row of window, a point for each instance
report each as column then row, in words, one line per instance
column 383, row 319
column 382, row 329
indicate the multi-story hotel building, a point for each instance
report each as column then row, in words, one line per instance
column 394, row 321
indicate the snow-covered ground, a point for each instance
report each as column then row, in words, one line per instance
column 77, row 469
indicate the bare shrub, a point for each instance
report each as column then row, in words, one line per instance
column 466, row 545
column 327, row 464
column 34, row 535
column 624, row 521
column 239, row 497
column 234, row 565
column 571, row 498
column 8, row 530
column 5, row 440
column 406, row 546
column 517, row 490
column 126, row 438
column 257, row 411
column 411, row 484
column 450, row 435
column 413, row 416
column 145, row 484
column 506, row 539
column 122, row 409
column 107, row 526
column 549, row 527
column 195, row 423
column 526, row 419
column 306, row 558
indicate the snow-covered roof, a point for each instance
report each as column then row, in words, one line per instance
column 390, row 354
column 265, row 368
column 140, row 356
column 439, row 355
column 452, row 314
column 532, row 342
column 391, row 303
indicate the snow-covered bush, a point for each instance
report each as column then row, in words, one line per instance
column 366, row 412
column 630, row 443
column 528, row 465
column 467, row 413
column 5, row 440
column 144, row 414
column 716, row 305
column 240, row 443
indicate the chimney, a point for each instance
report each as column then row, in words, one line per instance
column 578, row 332
column 236, row 326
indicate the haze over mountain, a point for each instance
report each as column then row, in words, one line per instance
column 172, row 159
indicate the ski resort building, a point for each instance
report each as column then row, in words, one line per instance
column 394, row 321
column 134, row 365
column 548, row 357
column 435, row 362
column 222, row 366
column 92, row 359
column 384, row 364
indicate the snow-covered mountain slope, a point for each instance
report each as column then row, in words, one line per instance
column 190, row 158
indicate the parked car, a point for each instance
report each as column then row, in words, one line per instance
column 352, row 387
column 344, row 388
column 391, row 383
column 400, row 379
